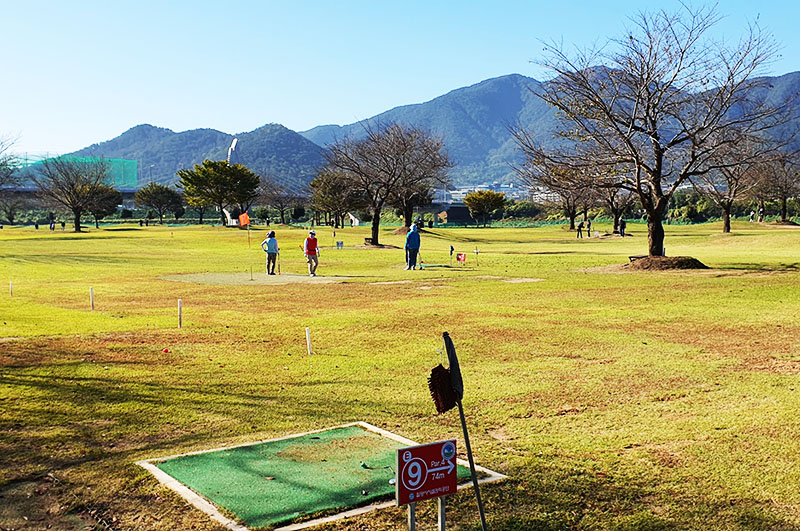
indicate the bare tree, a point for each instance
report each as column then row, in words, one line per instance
column 8, row 166
column 661, row 99
column 740, row 169
column 617, row 201
column 275, row 196
column 333, row 193
column 391, row 157
column 71, row 182
column 779, row 181
column 559, row 184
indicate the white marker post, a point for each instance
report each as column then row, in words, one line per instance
column 308, row 340
column 180, row 313
column 91, row 297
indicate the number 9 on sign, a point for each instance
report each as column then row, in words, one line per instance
column 414, row 473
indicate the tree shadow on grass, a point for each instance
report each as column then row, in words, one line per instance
column 752, row 266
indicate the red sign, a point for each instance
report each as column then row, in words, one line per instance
column 425, row 472
column 461, row 257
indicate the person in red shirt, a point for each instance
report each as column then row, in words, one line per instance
column 311, row 250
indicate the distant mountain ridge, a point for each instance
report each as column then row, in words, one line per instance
column 473, row 120
column 272, row 150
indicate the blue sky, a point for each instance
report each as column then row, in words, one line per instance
column 80, row 72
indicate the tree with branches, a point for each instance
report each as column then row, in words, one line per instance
column 71, row 182
column 160, row 198
column 220, row 184
column 484, row 203
column 740, row 169
column 560, row 184
column 333, row 193
column 662, row 100
column 779, row 180
column 104, row 202
column 388, row 159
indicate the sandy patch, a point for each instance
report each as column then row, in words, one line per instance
column 243, row 279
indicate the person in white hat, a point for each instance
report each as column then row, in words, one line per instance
column 311, row 250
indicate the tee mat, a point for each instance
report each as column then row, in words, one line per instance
column 278, row 482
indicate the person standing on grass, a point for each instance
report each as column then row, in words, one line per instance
column 311, row 250
column 588, row 228
column 580, row 230
column 270, row 246
column 622, row 225
column 412, row 247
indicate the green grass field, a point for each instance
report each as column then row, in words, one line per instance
column 612, row 399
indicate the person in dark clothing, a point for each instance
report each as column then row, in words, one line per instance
column 412, row 247
column 580, row 230
column 622, row 225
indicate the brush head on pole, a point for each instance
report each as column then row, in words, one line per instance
column 441, row 391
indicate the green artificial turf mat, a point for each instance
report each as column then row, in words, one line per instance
column 273, row 483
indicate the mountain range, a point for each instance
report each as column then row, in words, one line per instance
column 474, row 122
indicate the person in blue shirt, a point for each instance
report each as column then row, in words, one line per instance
column 412, row 247
column 270, row 246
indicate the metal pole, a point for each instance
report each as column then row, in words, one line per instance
column 442, row 523
column 412, row 516
column 472, row 465
column 308, row 340
column 91, row 297
column 180, row 313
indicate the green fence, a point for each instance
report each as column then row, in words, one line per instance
column 123, row 172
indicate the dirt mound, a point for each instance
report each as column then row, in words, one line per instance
column 401, row 230
column 663, row 263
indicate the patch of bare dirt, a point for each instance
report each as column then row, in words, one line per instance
column 665, row 263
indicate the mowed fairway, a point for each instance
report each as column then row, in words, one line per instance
column 612, row 399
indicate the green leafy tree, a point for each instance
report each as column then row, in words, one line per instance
column 160, row 198
column 71, row 183
column 215, row 182
column 104, row 202
column 484, row 203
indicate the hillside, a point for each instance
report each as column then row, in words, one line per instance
column 474, row 122
column 271, row 149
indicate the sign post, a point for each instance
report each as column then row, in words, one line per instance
column 425, row 472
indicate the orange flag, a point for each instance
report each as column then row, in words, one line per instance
column 244, row 219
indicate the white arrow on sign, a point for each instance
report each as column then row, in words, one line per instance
column 449, row 467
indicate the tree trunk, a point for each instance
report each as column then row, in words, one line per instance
column 160, row 218
column 572, row 216
column 616, row 215
column 655, row 234
column 726, row 218
column 784, row 210
column 77, row 213
column 376, row 223
column 96, row 223
column 221, row 214
column 200, row 211
column 408, row 215
column 283, row 217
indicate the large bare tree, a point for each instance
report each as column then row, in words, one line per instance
column 662, row 99
column 71, row 182
column 389, row 159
